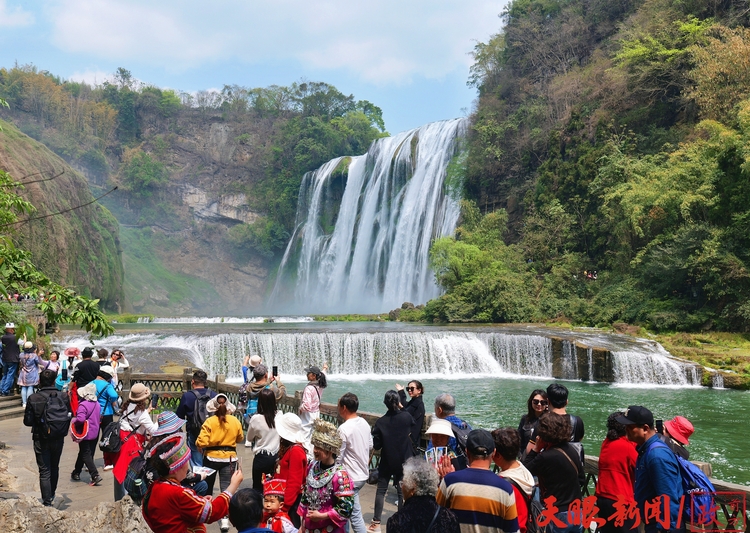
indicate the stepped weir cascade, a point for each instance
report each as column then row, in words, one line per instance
column 444, row 353
column 364, row 225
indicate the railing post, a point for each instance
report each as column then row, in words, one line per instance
column 187, row 378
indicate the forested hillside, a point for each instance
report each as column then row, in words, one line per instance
column 608, row 172
column 208, row 182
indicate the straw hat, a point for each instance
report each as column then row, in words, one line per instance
column 169, row 423
column 139, row 392
column 440, row 426
column 255, row 360
column 289, row 427
column 326, row 436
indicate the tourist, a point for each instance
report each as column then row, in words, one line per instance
column 482, row 501
column 169, row 424
column 273, row 499
column 657, row 472
column 11, row 356
column 54, row 361
column 108, row 399
column 246, row 512
column 48, row 440
column 557, row 396
column 445, row 408
column 248, row 365
column 85, row 372
column 309, row 409
column 263, row 437
column 392, row 436
column 616, row 475
column 415, row 407
column 356, row 448
column 218, row 440
column 135, row 424
column 168, row 506
column 186, row 410
column 28, row 374
column 292, row 462
column 440, row 432
column 85, row 431
column 676, row 434
column 328, row 496
column 558, row 466
column 507, row 447
column 421, row 511
column 119, row 363
column 249, row 392
column 536, row 406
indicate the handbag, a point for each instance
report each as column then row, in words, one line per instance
column 77, row 435
column 372, row 478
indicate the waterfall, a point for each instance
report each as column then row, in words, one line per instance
column 717, row 381
column 362, row 355
column 590, row 358
column 364, row 225
column 222, row 319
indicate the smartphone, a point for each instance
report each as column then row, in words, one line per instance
column 274, row 370
column 659, row 423
column 154, row 400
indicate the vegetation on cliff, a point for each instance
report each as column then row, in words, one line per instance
column 609, row 138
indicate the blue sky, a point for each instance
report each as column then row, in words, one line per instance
column 411, row 58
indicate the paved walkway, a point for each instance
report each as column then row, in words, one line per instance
column 78, row 495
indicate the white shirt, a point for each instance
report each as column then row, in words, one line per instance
column 522, row 476
column 356, row 443
column 141, row 420
column 265, row 438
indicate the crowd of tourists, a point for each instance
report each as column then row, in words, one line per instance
column 307, row 473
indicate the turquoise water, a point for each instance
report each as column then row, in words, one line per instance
column 719, row 416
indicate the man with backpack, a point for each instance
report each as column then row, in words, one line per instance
column 657, row 472
column 193, row 409
column 445, row 408
column 48, row 414
column 249, row 392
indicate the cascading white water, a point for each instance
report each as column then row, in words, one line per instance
column 223, row 319
column 651, row 368
column 569, row 360
column 365, row 224
column 590, row 358
column 717, row 381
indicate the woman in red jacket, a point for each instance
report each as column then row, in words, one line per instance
column 292, row 462
column 616, row 474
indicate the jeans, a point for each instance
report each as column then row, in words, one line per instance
column 26, row 391
column 10, row 375
column 86, row 450
column 263, row 463
column 224, row 472
column 356, row 521
column 201, row 488
column 48, row 454
column 196, row 456
column 564, row 517
column 119, row 490
column 380, row 494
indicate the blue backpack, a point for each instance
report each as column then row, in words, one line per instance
column 696, row 488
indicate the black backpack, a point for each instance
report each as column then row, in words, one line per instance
column 200, row 413
column 110, row 441
column 461, row 434
column 55, row 419
column 534, row 506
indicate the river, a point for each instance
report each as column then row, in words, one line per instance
column 490, row 370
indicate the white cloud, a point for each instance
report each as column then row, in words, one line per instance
column 91, row 77
column 386, row 42
column 14, row 17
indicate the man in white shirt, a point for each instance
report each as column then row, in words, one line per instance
column 356, row 445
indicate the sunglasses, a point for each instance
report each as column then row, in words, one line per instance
column 539, row 402
column 411, row 389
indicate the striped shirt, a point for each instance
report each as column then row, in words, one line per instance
column 482, row 501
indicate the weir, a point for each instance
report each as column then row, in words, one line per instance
column 365, row 224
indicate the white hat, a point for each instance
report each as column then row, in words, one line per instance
column 440, row 426
column 289, row 427
column 107, row 369
column 255, row 360
column 10, row 325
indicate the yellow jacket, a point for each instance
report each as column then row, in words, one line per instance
column 214, row 433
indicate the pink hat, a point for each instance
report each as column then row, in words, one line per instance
column 680, row 429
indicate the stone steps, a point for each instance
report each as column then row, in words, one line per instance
column 11, row 407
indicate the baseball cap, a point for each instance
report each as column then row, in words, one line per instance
column 480, row 442
column 636, row 415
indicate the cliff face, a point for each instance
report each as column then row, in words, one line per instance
column 80, row 248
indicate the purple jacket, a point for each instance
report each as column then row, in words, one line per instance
column 91, row 411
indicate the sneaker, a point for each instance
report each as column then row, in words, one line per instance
column 75, row 476
column 248, row 444
column 108, row 467
column 374, row 527
column 224, row 525
column 95, row 482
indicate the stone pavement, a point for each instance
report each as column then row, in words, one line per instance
column 78, row 495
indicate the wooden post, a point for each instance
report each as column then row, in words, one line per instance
column 187, row 378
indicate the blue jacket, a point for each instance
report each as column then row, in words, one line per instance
column 658, row 473
column 106, row 394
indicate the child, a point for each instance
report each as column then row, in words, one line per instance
column 273, row 498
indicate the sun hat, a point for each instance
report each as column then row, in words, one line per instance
column 213, row 404
column 255, row 360
column 95, row 357
column 107, row 369
column 139, row 392
column 10, row 325
column 274, row 487
column 313, row 370
column 680, row 429
column 636, row 415
column 88, row 392
column 440, row 426
column 326, row 436
column 260, row 372
column 289, row 427
column 177, row 455
column 169, row 423
column 480, row 443
column 72, row 351
column 28, row 346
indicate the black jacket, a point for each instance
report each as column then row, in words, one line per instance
column 392, row 435
column 416, row 515
column 11, row 350
column 86, row 372
column 32, row 416
column 415, row 407
column 560, row 473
